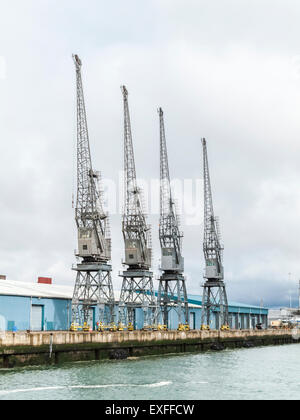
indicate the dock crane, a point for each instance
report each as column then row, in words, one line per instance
column 137, row 284
column 172, row 292
column 214, row 299
column 93, row 281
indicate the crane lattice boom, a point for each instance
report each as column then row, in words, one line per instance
column 211, row 243
column 135, row 230
column 169, row 234
column 92, row 223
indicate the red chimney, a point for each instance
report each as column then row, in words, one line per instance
column 44, row 280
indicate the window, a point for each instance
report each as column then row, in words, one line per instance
column 85, row 247
column 132, row 244
column 131, row 256
column 167, row 252
column 85, row 234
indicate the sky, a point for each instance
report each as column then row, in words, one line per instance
column 227, row 70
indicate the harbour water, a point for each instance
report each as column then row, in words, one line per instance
column 256, row 373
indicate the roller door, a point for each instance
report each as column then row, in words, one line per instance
column 37, row 318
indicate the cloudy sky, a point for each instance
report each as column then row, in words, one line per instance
column 227, row 70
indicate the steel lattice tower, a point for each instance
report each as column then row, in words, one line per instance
column 172, row 286
column 93, row 282
column 137, row 286
column 214, row 298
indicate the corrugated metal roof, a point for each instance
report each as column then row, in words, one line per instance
column 198, row 298
column 18, row 288
column 58, row 291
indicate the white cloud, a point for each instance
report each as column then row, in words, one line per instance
column 219, row 69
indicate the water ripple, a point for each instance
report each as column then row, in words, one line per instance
column 56, row 388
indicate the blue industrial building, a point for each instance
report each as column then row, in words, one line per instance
column 35, row 307
column 45, row 307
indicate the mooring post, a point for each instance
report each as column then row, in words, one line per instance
column 51, row 346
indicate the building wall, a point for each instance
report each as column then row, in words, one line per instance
column 238, row 320
column 15, row 314
column 57, row 313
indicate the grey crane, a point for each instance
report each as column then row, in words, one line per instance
column 93, row 284
column 137, row 284
column 172, row 292
column 214, row 298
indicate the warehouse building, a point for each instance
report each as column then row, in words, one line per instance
column 35, row 307
column 47, row 307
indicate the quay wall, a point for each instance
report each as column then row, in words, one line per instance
column 40, row 348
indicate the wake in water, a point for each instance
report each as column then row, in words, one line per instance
column 55, row 388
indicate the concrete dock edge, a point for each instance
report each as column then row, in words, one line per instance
column 48, row 348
